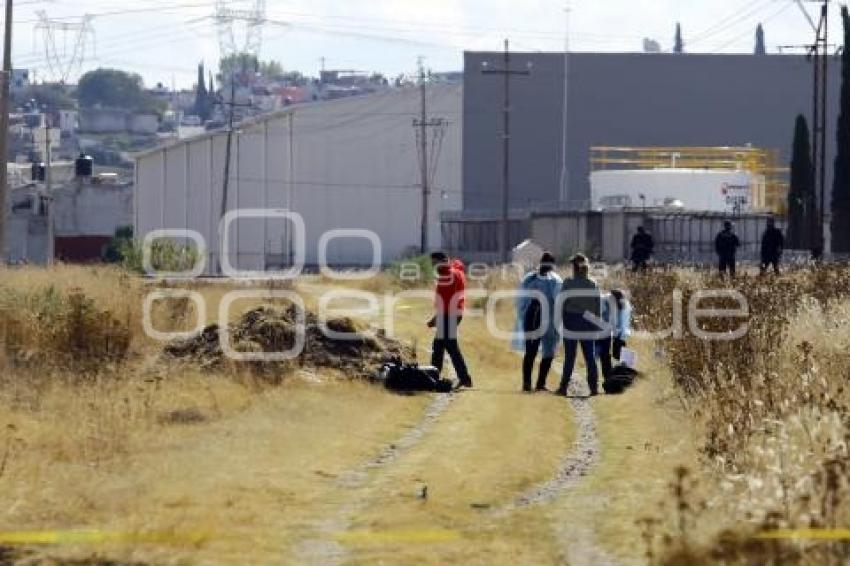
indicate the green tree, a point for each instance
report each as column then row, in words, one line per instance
column 760, row 47
column 54, row 97
column 801, row 194
column 271, row 69
column 243, row 66
column 203, row 101
column 840, row 225
column 118, row 245
column 112, row 88
column 678, row 42
column 239, row 65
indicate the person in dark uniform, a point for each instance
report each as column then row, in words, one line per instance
column 772, row 243
column 642, row 247
column 726, row 244
column 581, row 297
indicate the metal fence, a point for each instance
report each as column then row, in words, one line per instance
column 689, row 236
column 680, row 236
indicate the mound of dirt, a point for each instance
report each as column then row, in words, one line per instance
column 266, row 329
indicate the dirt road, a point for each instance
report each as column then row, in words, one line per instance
column 342, row 473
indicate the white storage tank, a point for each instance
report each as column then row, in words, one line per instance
column 691, row 189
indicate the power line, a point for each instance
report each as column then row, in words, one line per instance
column 128, row 47
column 125, row 12
column 749, row 32
column 419, row 26
column 132, row 41
column 732, row 19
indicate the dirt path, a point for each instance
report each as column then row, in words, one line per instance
column 576, row 465
column 578, row 544
column 324, row 550
column 484, row 478
column 339, row 472
column 518, row 478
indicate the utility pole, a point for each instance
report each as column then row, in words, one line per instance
column 51, row 201
column 423, row 145
column 564, row 192
column 822, row 49
column 507, row 73
column 228, row 147
column 5, row 79
column 427, row 157
column 818, row 54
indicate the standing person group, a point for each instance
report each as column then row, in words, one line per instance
column 598, row 327
column 581, row 307
column 573, row 309
column 726, row 245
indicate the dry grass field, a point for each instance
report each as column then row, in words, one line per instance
column 112, row 453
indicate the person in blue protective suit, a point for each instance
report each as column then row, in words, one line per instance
column 617, row 315
column 535, row 324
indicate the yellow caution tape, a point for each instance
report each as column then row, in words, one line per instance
column 810, row 534
column 401, row 536
column 89, row 536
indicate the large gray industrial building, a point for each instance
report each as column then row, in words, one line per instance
column 622, row 99
column 348, row 164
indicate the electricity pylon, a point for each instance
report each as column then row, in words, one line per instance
column 65, row 44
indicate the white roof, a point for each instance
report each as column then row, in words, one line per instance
column 364, row 105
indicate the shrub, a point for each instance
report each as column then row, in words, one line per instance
column 47, row 328
column 166, row 256
column 773, row 406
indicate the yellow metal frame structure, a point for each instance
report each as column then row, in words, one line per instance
column 760, row 161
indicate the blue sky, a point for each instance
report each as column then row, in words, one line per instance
column 164, row 39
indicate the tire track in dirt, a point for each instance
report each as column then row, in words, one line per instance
column 324, row 549
column 577, row 543
column 392, row 451
column 574, row 466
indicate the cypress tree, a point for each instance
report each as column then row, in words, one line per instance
column 202, row 103
column 760, row 48
column 679, row 43
column 801, row 193
column 840, row 224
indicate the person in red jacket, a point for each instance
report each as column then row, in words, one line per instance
column 449, row 299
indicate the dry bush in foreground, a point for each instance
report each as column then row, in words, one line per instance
column 775, row 409
column 68, row 318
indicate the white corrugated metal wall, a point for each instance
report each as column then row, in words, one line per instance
column 346, row 164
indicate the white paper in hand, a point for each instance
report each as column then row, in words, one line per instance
column 629, row 357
